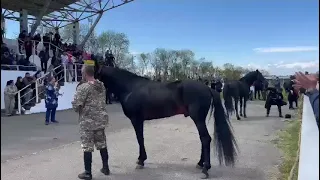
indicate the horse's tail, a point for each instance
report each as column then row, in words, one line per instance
column 228, row 99
column 224, row 140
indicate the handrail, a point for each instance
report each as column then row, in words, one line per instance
column 50, row 44
column 309, row 146
column 36, row 81
column 29, row 86
column 17, row 66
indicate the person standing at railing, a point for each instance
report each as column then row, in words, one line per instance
column 20, row 85
column 37, row 40
column 28, row 48
column 51, row 100
column 309, row 82
column 27, row 80
column 9, row 97
column 44, row 58
column 21, row 39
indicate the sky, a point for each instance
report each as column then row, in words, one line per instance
column 281, row 36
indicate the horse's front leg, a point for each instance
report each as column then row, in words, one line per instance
column 138, row 127
column 245, row 107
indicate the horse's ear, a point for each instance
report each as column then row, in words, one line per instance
column 257, row 70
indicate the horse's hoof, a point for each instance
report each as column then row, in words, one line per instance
column 204, row 175
column 245, row 116
column 139, row 166
column 241, row 115
column 199, row 167
column 238, row 118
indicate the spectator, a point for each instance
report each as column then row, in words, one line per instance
column 9, row 97
column 44, row 58
column 27, row 80
column 28, row 48
column 51, row 100
column 311, row 84
column 37, row 39
column 21, row 38
column 20, row 85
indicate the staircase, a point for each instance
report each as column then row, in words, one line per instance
column 37, row 89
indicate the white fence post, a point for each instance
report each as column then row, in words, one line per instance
column 19, row 103
column 75, row 73
column 65, row 73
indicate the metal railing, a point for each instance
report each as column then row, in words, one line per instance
column 18, row 67
column 34, row 47
column 65, row 73
column 62, row 72
column 309, row 146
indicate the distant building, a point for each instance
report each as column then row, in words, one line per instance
column 271, row 79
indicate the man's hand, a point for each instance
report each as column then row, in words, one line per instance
column 305, row 81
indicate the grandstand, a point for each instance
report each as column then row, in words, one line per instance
column 21, row 55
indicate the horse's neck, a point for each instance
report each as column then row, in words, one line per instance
column 247, row 81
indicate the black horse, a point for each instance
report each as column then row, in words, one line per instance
column 144, row 99
column 258, row 88
column 240, row 90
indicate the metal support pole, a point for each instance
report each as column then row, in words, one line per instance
column 39, row 17
column 19, row 102
column 91, row 30
column 37, row 91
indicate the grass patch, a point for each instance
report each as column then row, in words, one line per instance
column 288, row 142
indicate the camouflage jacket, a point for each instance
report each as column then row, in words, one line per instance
column 89, row 102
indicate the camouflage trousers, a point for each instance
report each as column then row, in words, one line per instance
column 89, row 139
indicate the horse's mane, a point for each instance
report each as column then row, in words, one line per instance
column 123, row 74
column 248, row 75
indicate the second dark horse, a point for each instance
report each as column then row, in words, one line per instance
column 143, row 99
column 239, row 90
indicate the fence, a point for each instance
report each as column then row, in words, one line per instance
column 29, row 95
column 18, row 67
column 309, row 146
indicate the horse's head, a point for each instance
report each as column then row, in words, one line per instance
column 253, row 76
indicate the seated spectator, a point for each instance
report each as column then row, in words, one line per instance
column 9, row 97
column 310, row 82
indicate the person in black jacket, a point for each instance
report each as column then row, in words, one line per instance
column 19, row 85
column 21, row 39
column 274, row 97
column 292, row 94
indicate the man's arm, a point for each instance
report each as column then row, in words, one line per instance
column 314, row 100
column 79, row 97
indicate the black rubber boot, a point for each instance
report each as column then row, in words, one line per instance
column 87, row 157
column 105, row 166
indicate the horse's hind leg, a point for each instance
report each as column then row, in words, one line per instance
column 241, row 102
column 236, row 107
column 138, row 127
column 198, row 115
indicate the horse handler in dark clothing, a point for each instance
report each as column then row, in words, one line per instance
column 274, row 97
column 89, row 102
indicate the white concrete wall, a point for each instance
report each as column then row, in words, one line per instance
column 10, row 75
column 309, row 146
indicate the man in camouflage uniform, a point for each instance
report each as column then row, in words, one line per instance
column 89, row 102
